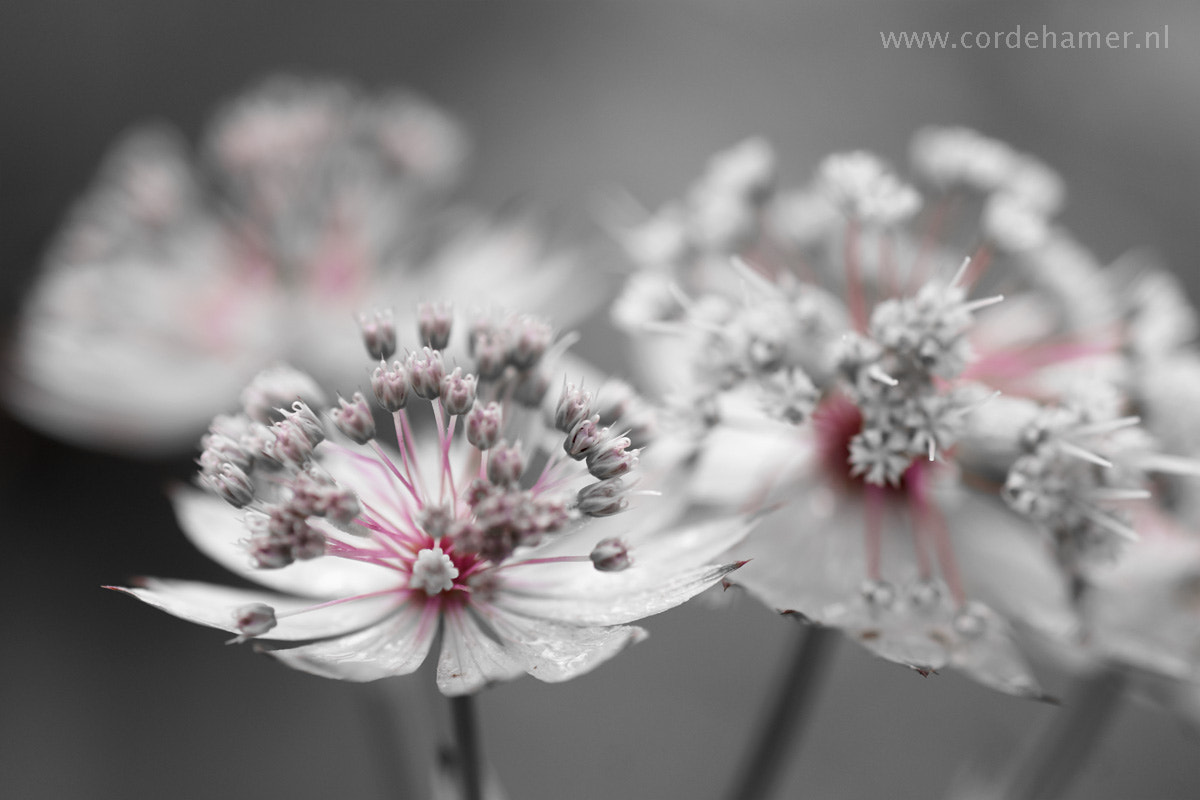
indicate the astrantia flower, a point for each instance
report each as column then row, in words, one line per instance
column 176, row 278
column 847, row 362
column 518, row 543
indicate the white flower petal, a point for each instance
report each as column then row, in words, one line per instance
column 553, row 652
column 217, row 607
column 601, row 598
column 396, row 645
column 471, row 659
column 993, row 658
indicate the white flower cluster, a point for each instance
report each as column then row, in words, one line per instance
column 884, row 383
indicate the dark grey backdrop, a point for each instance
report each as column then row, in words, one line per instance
column 100, row 698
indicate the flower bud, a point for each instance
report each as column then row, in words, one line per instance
column 379, row 334
column 505, row 464
column 425, row 373
column 483, row 425
column 458, row 392
column 231, row 484
column 574, row 405
column 279, row 387
column 434, row 321
column 611, row 458
column 291, row 445
column 584, row 436
column 308, row 422
column 602, row 499
column 490, row 351
column 353, row 418
column 254, row 619
column 529, row 339
column 610, row 555
column 391, row 386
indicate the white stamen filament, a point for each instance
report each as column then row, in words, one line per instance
column 1107, row 426
column 1110, row 524
column 961, row 273
column 1084, row 455
column 983, row 302
column 875, row 372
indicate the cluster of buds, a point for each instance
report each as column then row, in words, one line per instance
column 1073, row 469
column 609, row 455
column 271, row 471
column 271, row 460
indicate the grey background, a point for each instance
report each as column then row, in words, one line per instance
column 100, row 698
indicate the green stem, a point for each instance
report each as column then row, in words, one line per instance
column 466, row 737
column 785, row 719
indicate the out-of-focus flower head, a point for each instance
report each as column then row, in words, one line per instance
column 509, row 527
column 176, row 278
column 845, row 361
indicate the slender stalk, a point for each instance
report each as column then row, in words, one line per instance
column 385, row 733
column 784, row 723
column 466, row 737
column 1062, row 751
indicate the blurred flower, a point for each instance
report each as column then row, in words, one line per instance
column 516, row 541
column 846, row 362
column 175, row 279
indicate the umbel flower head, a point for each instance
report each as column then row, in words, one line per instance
column 842, row 356
column 177, row 276
column 513, row 536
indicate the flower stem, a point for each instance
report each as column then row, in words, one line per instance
column 783, row 725
column 466, row 736
column 1062, row 751
column 385, row 731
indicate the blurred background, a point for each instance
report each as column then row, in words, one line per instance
column 103, row 698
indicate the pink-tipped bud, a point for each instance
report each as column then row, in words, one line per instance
column 483, row 425
column 458, row 392
column 603, row 499
column 528, row 341
column 278, row 387
column 425, row 373
column 353, row 418
column 434, row 321
column 586, row 434
column 390, row 385
column 573, row 407
column 307, row 421
column 505, row 464
column 219, row 448
column 254, row 619
column 291, row 446
column 611, row 458
column 316, row 493
column 490, row 351
column 231, row 484
column 379, row 334
column 611, row 555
